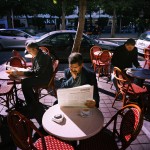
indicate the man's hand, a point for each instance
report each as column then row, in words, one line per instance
column 15, row 73
column 90, row 103
column 74, row 74
column 139, row 67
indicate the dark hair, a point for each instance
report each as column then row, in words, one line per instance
column 32, row 44
column 75, row 58
column 130, row 42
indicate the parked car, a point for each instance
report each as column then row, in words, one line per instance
column 60, row 44
column 143, row 42
column 14, row 38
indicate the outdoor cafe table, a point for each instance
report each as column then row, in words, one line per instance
column 139, row 73
column 6, row 76
column 74, row 126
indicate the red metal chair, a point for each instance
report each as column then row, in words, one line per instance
column 6, row 94
column 92, row 56
column 25, row 64
column 51, row 85
column 102, row 63
column 147, row 57
column 127, row 88
column 131, row 124
column 21, row 130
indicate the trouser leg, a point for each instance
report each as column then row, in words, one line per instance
column 27, row 88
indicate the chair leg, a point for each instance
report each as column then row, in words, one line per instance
column 117, row 94
column 99, row 71
column 145, row 64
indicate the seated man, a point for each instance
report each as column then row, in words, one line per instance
column 125, row 56
column 77, row 75
column 39, row 74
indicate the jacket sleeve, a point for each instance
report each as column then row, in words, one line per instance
column 114, row 59
column 135, row 59
column 41, row 66
column 95, row 93
column 68, row 80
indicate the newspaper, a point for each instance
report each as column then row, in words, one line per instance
column 16, row 68
column 75, row 97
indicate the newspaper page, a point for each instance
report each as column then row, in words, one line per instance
column 16, row 68
column 75, row 97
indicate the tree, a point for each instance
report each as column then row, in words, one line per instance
column 61, row 8
column 81, row 21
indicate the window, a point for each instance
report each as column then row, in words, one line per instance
column 18, row 33
column 6, row 33
column 61, row 39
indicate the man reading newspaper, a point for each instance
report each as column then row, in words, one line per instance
column 78, row 75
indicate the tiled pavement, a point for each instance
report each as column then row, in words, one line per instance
column 106, row 98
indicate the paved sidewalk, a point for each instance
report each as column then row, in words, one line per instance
column 106, row 98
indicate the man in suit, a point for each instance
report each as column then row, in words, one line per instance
column 77, row 75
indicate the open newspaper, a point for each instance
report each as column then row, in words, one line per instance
column 76, row 96
column 16, row 68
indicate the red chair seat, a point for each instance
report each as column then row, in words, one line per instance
column 5, row 89
column 52, row 144
column 136, row 89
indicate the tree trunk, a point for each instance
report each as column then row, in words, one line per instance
column 27, row 20
column 120, row 24
column 113, row 24
column 63, row 14
column 81, row 21
column 9, row 19
column 12, row 18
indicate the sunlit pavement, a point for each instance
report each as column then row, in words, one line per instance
column 106, row 98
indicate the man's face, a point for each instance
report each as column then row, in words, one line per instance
column 129, row 47
column 75, row 68
column 32, row 51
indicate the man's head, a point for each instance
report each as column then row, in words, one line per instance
column 75, row 62
column 32, row 48
column 130, row 44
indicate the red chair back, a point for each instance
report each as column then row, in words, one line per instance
column 17, row 54
column 21, row 130
column 131, row 124
column 104, row 57
column 122, row 80
column 147, row 54
column 15, row 62
column 92, row 50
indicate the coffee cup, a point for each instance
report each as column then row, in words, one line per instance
column 85, row 112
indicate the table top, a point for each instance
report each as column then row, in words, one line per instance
column 139, row 73
column 28, row 56
column 74, row 126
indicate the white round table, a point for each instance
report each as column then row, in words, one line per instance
column 73, row 127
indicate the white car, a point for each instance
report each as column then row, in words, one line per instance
column 14, row 38
column 143, row 42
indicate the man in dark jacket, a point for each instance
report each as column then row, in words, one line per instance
column 39, row 74
column 125, row 56
column 77, row 75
